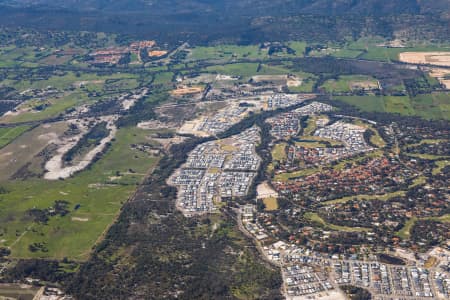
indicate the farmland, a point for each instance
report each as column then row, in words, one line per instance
column 429, row 106
column 109, row 182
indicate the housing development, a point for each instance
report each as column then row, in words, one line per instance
column 216, row 171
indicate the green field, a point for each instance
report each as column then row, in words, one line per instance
column 347, row 53
column 266, row 69
column 384, row 197
column 440, row 165
column 100, row 191
column 9, row 134
column 428, row 106
column 405, row 232
column 316, row 218
column 310, row 144
column 344, row 83
column 432, row 106
column 298, row 47
column 278, row 152
column 66, row 80
column 238, row 69
column 307, row 86
column 163, row 78
column 227, row 52
column 55, row 107
column 370, row 49
column 287, row 176
column 310, row 125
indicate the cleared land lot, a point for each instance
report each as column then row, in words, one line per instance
column 433, row 58
column 187, row 91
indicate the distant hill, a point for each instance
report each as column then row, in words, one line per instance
column 261, row 7
column 243, row 21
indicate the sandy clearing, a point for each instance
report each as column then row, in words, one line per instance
column 328, row 295
column 79, row 84
column 294, row 81
column 54, row 166
column 128, row 101
column 80, row 219
column 155, row 124
column 221, row 77
column 48, row 136
column 6, row 154
column 187, row 91
column 166, row 143
column 264, row 190
column 446, row 83
column 190, row 127
column 157, row 53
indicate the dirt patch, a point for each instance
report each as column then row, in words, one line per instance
column 48, row 136
column 264, row 190
column 166, row 143
column 270, row 203
column 80, row 219
column 157, row 53
column 190, row 127
column 364, row 85
column 430, row 262
column 79, row 84
column 155, row 124
column 176, row 114
column 294, row 81
column 187, row 91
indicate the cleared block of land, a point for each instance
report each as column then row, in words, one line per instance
column 434, row 58
column 187, row 91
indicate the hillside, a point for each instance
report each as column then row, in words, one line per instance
column 252, row 7
column 248, row 21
